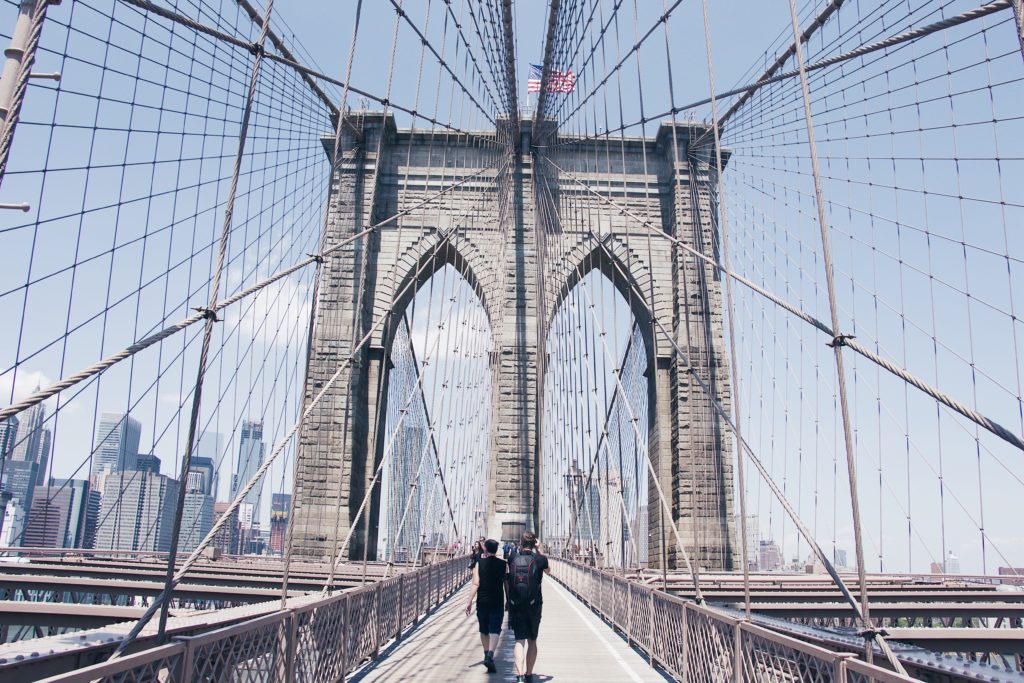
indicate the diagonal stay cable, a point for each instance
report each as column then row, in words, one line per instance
column 892, row 41
column 210, row 318
column 389, row 445
column 302, row 69
column 950, row 402
column 772, row 485
column 667, row 508
column 430, row 423
column 602, row 442
column 257, row 477
column 440, row 60
column 109, row 361
column 287, row 54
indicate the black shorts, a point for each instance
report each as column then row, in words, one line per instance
column 490, row 618
column 525, row 623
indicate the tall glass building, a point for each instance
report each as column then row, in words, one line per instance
column 250, row 457
column 117, row 443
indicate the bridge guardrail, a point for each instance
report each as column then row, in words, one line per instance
column 319, row 641
column 696, row 643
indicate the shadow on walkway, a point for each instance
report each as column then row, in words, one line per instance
column 574, row 644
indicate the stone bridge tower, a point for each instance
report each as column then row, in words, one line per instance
column 382, row 172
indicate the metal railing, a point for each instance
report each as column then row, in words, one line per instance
column 322, row 640
column 699, row 644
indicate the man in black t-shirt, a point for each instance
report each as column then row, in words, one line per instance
column 489, row 589
column 525, row 603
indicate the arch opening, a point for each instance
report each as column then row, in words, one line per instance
column 435, row 450
column 597, row 415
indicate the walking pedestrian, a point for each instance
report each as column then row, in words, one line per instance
column 525, row 603
column 474, row 558
column 489, row 590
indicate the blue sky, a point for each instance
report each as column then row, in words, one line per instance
column 116, row 245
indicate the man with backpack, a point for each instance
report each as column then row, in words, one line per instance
column 489, row 591
column 525, row 602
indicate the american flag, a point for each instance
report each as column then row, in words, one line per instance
column 560, row 81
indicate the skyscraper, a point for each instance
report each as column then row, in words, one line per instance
column 13, row 524
column 770, row 556
column 117, row 443
column 407, row 495
column 250, row 457
column 610, row 525
column 136, row 511
column 197, row 514
column 202, row 475
column 210, row 447
column 753, row 540
column 840, row 560
column 33, row 442
column 226, row 539
column 148, row 463
column 196, row 519
column 43, row 458
column 8, row 436
column 61, row 515
column 20, row 481
column 8, row 508
column 27, row 440
column 280, row 503
column 590, row 513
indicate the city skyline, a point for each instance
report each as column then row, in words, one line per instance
column 137, row 511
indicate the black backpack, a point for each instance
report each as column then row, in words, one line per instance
column 524, row 580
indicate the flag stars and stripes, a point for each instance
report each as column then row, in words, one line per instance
column 559, row 81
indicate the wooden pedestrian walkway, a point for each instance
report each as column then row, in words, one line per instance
column 574, row 644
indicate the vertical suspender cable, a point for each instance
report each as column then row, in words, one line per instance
column 870, row 634
column 339, row 125
column 211, row 318
column 724, row 222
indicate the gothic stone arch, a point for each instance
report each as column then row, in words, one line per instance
column 384, row 171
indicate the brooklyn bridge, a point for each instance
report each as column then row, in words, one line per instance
column 718, row 300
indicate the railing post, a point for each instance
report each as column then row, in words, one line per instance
column 416, row 581
column 344, row 638
column 737, row 653
column 401, row 607
column 653, row 630
column 839, row 670
column 186, row 661
column 629, row 614
column 376, row 620
column 291, row 626
column 685, row 672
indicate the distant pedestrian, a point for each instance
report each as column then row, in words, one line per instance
column 506, row 550
column 474, row 558
column 489, row 590
column 525, row 603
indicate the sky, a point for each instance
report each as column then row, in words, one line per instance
column 120, row 237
